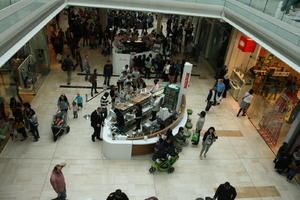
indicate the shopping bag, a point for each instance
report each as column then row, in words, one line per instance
column 195, row 137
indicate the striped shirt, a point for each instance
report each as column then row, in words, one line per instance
column 104, row 102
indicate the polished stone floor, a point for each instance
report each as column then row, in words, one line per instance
column 242, row 159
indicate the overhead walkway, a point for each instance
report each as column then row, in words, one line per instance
column 20, row 21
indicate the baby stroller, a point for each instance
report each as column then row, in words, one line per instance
column 59, row 124
column 164, row 161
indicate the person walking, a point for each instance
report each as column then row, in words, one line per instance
column 107, row 72
column 208, row 139
column 220, row 90
column 93, row 80
column 199, row 126
column 68, row 65
column 33, row 123
column 211, row 98
column 79, row 101
column 86, row 67
column 225, row 192
column 246, row 100
column 97, row 120
column 58, row 183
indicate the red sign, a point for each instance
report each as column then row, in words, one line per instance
column 186, row 80
column 247, row 44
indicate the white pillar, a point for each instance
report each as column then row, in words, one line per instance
column 185, row 81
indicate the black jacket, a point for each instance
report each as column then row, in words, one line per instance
column 108, row 70
column 223, row 194
column 96, row 119
column 210, row 95
column 117, row 196
column 68, row 64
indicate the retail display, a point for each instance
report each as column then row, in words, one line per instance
column 171, row 92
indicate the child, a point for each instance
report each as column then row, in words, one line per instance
column 199, row 126
column 75, row 109
column 79, row 100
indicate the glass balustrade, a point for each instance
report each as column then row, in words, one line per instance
column 5, row 3
column 285, row 10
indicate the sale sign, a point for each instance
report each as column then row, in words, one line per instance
column 186, row 80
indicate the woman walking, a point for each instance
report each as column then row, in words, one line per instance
column 199, row 126
column 208, row 139
column 245, row 103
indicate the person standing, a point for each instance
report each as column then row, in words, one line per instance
column 68, row 65
column 246, row 102
column 93, row 80
column 79, row 101
column 97, row 120
column 117, row 195
column 155, row 86
column 208, row 139
column 211, row 98
column 220, row 88
column 58, row 183
column 86, row 67
column 121, row 79
column 33, row 123
column 138, row 116
column 107, row 72
column 155, row 108
column 113, row 95
column 104, row 103
column 199, row 126
column 225, row 192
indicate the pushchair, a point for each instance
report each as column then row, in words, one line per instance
column 59, row 124
column 164, row 161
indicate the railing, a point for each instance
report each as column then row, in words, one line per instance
column 289, row 35
column 285, row 10
column 6, row 3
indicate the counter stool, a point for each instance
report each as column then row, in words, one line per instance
column 188, row 124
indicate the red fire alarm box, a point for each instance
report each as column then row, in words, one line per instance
column 247, row 44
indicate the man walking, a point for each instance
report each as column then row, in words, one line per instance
column 211, row 98
column 57, row 181
column 68, row 65
column 97, row 120
column 93, row 80
column 225, row 192
column 107, row 72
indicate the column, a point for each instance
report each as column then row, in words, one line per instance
column 103, row 18
column 185, row 81
column 159, row 22
column 210, row 38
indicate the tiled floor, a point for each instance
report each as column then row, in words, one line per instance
column 244, row 161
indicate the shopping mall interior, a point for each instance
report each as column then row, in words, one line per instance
column 151, row 134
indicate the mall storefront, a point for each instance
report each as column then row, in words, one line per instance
column 22, row 75
column 276, row 87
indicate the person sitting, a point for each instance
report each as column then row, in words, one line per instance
column 117, row 195
column 159, row 144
